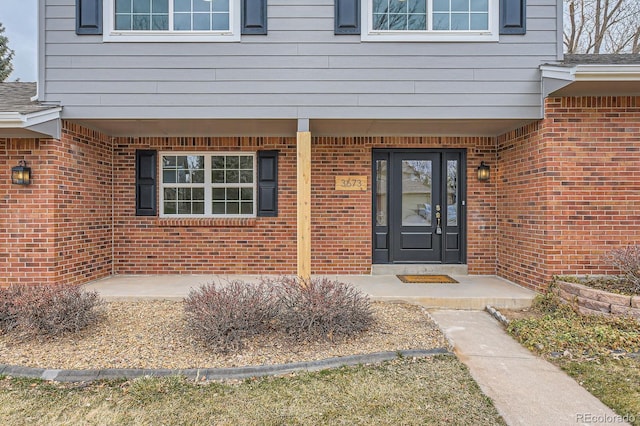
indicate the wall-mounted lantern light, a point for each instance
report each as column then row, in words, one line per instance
column 21, row 174
column 483, row 172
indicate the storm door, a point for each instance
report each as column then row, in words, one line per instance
column 417, row 205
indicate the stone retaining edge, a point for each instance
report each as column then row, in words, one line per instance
column 597, row 302
column 59, row 375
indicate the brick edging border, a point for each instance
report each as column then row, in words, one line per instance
column 599, row 302
column 215, row 373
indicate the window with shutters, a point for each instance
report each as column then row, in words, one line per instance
column 172, row 20
column 430, row 20
column 208, row 184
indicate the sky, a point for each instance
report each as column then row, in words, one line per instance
column 20, row 19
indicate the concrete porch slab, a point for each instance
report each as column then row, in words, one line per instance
column 472, row 292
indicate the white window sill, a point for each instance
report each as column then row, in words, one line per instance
column 424, row 36
column 169, row 37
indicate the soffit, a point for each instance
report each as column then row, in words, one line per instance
column 288, row 128
column 593, row 75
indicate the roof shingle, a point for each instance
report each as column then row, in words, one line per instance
column 16, row 97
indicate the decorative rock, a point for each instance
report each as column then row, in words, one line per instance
column 625, row 311
column 572, row 288
column 594, row 305
column 597, row 302
column 587, row 311
column 613, row 298
column 497, row 315
column 589, row 293
column 566, row 296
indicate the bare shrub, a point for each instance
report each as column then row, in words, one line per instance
column 8, row 314
column 221, row 316
column 48, row 310
column 320, row 309
column 627, row 260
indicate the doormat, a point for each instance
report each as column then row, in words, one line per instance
column 427, row 279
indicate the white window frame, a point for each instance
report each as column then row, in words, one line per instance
column 491, row 35
column 208, row 184
column 110, row 34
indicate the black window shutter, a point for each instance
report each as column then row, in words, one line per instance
column 254, row 16
column 347, row 17
column 146, row 163
column 89, row 17
column 513, row 16
column 268, row 183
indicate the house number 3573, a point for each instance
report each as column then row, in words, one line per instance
column 351, row 183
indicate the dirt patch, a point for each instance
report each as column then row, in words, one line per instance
column 516, row 314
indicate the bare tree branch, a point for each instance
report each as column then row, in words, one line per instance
column 602, row 26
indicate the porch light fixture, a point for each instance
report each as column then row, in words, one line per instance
column 21, row 174
column 483, row 172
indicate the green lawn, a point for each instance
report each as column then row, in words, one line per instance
column 436, row 390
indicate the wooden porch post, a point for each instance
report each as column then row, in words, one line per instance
column 304, row 199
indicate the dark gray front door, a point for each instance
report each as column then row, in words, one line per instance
column 418, row 206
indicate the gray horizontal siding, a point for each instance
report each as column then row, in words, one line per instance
column 300, row 69
column 293, row 87
column 445, row 76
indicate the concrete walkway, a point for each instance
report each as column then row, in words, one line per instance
column 472, row 291
column 525, row 389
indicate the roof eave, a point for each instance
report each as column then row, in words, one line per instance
column 38, row 124
column 557, row 77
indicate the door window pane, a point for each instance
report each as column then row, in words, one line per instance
column 452, row 193
column 381, row 193
column 417, row 178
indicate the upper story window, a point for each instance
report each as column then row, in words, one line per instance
column 172, row 20
column 431, row 20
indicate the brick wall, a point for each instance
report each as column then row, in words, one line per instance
column 150, row 245
column 27, row 215
column 341, row 221
column 58, row 229
column 569, row 189
column 83, row 213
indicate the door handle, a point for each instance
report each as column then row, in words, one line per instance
column 438, row 215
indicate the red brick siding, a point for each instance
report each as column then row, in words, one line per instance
column 27, row 215
column 341, row 221
column 569, row 189
column 77, row 221
column 58, row 229
column 150, row 245
column 83, row 205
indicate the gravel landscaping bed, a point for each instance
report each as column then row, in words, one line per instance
column 152, row 334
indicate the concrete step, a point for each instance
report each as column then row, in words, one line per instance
column 418, row 269
column 471, row 291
